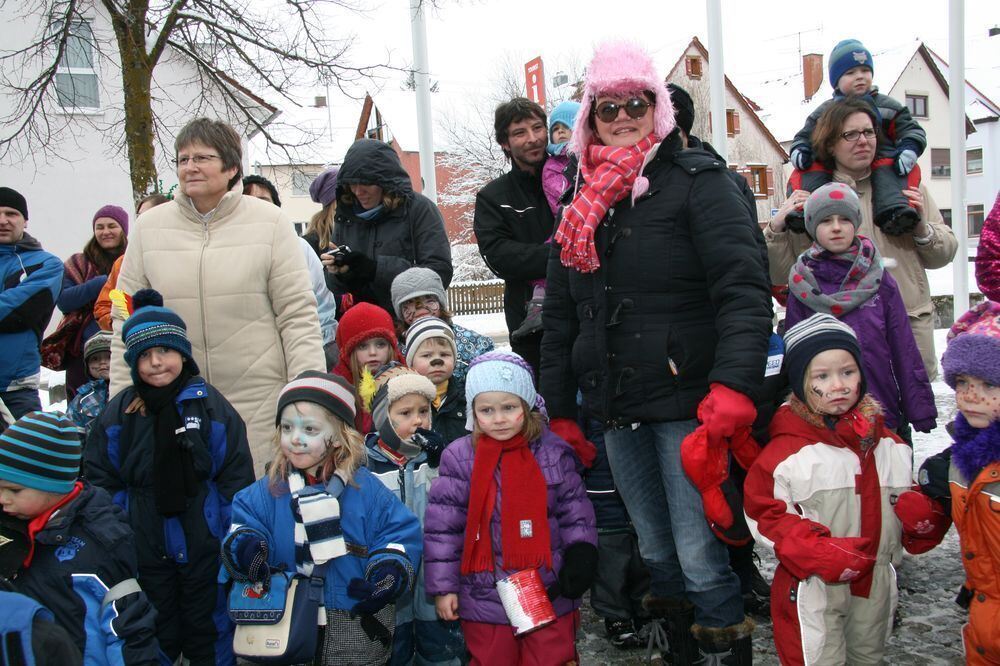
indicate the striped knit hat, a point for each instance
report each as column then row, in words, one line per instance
column 41, row 451
column 813, row 336
column 424, row 329
column 97, row 343
column 152, row 325
column 332, row 393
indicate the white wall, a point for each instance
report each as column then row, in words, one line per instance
column 982, row 188
column 298, row 207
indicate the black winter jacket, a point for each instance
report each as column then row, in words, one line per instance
column 681, row 300
column 512, row 222
column 84, row 549
column 411, row 235
column 448, row 420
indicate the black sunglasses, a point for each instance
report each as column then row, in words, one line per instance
column 635, row 108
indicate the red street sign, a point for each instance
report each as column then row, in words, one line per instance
column 534, row 80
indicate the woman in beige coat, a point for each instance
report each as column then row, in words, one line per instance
column 930, row 245
column 231, row 266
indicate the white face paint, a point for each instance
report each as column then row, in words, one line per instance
column 307, row 435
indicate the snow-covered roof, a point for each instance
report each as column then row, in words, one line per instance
column 977, row 105
column 316, row 135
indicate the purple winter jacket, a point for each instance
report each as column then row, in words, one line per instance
column 554, row 183
column 892, row 364
column 571, row 520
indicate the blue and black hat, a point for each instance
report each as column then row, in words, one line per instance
column 41, row 451
column 152, row 325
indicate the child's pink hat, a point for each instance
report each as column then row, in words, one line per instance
column 974, row 345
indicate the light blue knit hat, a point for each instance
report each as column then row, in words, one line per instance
column 500, row 371
column 564, row 113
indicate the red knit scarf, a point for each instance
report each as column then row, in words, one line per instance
column 608, row 174
column 524, row 525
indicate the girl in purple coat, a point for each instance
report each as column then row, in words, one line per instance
column 842, row 274
column 473, row 538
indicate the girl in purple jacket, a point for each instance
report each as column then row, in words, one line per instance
column 842, row 274
column 544, row 521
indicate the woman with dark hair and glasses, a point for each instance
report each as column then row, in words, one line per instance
column 845, row 141
column 658, row 309
column 231, row 266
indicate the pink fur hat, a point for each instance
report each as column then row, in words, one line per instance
column 621, row 67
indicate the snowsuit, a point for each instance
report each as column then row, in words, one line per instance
column 29, row 634
column 376, row 527
column 83, row 550
column 178, row 555
column 811, row 481
column 892, row 365
column 901, row 133
column 419, row 632
column 571, row 520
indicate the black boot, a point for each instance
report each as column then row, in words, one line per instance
column 622, row 634
column 678, row 616
column 893, row 214
column 728, row 646
column 532, row 321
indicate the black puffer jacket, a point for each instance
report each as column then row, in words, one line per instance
column 411, row 235
column 681, row 300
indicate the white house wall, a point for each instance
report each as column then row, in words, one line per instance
column 982, row 188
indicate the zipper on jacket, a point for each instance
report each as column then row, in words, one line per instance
column 207, row 370
column 402, row 484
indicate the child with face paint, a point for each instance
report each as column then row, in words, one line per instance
column 543, row 521
column 404, row 454
column 842, row 275
column 965, row 475
column 318, row 505
column 832, row 493
column 431, row 351
column 173, row 452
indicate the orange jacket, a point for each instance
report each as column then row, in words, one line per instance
column 102, row 308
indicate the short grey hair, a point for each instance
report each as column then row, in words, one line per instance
column 217, row 135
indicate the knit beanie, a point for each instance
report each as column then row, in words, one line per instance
column 116, row 213
column 98, row 342
column 683, row 107
column 500, row 371
column 260, row 181
column 152, row 325
column 323, row 189
column 617, row 68
column 363, row 322
column 832, row 199
column 974, row 345
column 394, row 381
column 41, row 451
column 815, row 335
column 564, row 113
column 424, row 329
column 13, row 199
column 417, row 281
column 846, row 55
column 332, row 393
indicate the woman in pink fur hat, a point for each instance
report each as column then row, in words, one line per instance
column 658, row 309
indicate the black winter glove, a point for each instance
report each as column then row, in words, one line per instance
column 431, row 443
column 361, row 268
column 577, row 574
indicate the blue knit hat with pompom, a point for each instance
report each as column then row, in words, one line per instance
column 152, row 325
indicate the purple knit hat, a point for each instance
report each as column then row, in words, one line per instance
column 323, row 190
column 116, row 213
column 621, row 67
column 974, row 345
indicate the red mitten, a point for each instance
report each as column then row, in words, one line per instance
column 569, row 430
column 809, row 550
column 744, row 447
column 707, row 465
column 924, row 521
column 725, row 411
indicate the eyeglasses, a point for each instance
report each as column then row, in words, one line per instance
column 636, row 108
column 854, row 135
column 197, row 159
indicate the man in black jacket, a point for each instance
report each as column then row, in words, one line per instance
column 513, row 219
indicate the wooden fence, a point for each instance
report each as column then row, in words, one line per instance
column 476, row 297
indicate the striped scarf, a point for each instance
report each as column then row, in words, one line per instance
column 608, row 175
column 318, row 537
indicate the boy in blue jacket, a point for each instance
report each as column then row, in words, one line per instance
column 80, row 560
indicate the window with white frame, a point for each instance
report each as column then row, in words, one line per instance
column 977, row 215
column 974, row 161
column 76, row 74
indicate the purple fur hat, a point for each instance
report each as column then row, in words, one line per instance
column 621, row 67
column 974, row 345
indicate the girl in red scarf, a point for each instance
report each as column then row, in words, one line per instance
column 543, row 521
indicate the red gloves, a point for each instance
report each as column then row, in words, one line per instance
column 924, row 521
column 569, row 430
column 809, row 550
column 725, row 411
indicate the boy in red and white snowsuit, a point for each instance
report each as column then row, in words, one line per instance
column 831, row 493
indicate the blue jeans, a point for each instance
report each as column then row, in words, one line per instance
column 420, row 642
column 684, row 557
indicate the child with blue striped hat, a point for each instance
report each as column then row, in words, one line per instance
column 174, row 452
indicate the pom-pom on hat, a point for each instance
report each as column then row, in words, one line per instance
column 426, row 328
column 619, row 68
column 417, row 281
column 848, row 54
column 152, row 325
column 500, row 371
column 332, row 393
column 97, row 343
column 832, row 199
column 323, row 189
column 116, row 213
column 41, row 451
column 974, row 345
column 813, row 336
